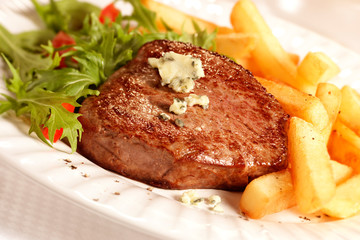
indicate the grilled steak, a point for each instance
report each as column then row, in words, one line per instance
column 239, row 137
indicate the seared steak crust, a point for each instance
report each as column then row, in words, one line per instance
column 239, row 137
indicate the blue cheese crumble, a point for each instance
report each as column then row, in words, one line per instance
column 178, row 107
column 178, row 71
column 201, row 100
column 191, row 198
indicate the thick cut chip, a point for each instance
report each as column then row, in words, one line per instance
column 350, row 108
column 269, row 55
column 298, row 104
column 341, row 172
column 235, row 45
column 344, row 146
column 274, row 192
column 268, row 194
column 315, row 68
column 346, row 201
column 313, row 180
column 330, row 96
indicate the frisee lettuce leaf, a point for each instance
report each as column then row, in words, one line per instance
column 64, row 15
column 39, row 88
column 25, row 60
column 43, row 107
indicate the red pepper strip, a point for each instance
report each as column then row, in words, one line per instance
column 68, row 107
column 110, row 12
column 62, row 39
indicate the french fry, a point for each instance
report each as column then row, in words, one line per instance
column 341, row 172
column 274, row 192
column 180, row 21
column 306, row 87
column 248, row 63
column 311, row 184
column 315, row 68
column 269, row 55
column 330, row 96
column 346, row 201
column 350, row 109
column 344, row 146
column 235, row 45
column 297, row 103
column 311, row 173
column 268, row 194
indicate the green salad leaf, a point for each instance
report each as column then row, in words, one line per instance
column 40, row 85
column 64, row 15
column 43, row 107
column 25, row 60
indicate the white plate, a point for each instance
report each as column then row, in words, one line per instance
column 158, row 212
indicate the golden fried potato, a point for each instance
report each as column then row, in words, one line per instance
column 346, row 201
column 344, row 146
column 330, row 96
column 314, row 184
column 274, row 192
column 350, row 108
column 180, row 21
column 268, row 194
column 341, row 172
column 315, row 68
column 235, row 45
column 249, row 63
column 297, row 103
column 273, row 61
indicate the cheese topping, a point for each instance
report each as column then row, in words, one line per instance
column 178, row 71
column 194, row 99
column 178, row 107
column 191, row 198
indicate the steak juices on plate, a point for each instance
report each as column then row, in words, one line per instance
column 239, row 136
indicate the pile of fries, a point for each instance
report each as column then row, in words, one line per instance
column 324, row 128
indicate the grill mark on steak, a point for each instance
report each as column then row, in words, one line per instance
column 241, row 136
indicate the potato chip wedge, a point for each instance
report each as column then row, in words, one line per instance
column 297, row 103
column 341, row 172
column 269, row 55
column 344, row 146
column 235, row 45
column 316, row 67
column 268, row 194
column 314, row 184
column 346, row 201
column 350, row 108
column 330, row 96
column 274, row 192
